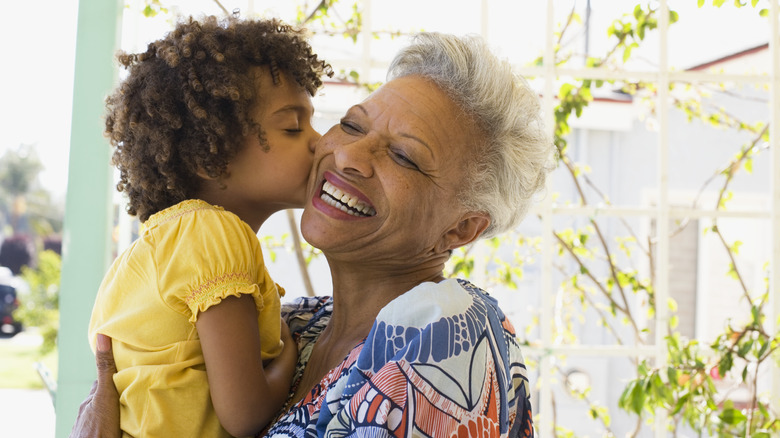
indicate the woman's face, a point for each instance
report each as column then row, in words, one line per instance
column 384, row 181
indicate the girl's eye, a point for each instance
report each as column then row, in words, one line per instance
column 293, row 131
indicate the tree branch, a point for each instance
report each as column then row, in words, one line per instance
column 299, row 253
column 598, row 284
column 224, row 11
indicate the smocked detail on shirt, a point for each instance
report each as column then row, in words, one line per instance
column 179, row 210
column 208, row 289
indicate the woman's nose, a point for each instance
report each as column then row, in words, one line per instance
column 355, row 157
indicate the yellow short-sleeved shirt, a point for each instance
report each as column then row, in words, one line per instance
column 189, row 257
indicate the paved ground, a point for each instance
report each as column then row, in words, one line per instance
column 25, row 413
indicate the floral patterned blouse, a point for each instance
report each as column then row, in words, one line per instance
column 441, row 360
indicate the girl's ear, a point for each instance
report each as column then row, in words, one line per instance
column 467, row 230
column 203, row 174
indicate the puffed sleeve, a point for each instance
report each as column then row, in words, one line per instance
column 206, row 256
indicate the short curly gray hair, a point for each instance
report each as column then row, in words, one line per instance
column 517, row 152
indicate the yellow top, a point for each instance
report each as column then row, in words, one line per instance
column 189, row 257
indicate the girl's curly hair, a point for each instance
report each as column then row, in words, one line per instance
column 185, row 104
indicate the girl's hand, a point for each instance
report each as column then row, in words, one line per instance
column 282, row 369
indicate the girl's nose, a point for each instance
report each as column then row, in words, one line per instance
column 315, row 137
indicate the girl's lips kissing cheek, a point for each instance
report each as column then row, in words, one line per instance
column 347, row 203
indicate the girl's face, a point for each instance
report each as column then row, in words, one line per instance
column 263, row 179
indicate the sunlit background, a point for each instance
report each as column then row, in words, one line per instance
column 660, row 219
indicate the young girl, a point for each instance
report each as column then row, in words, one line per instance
column 212, row 130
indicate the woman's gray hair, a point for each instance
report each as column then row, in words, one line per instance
column 516, row 154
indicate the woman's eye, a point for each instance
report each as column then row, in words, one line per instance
column 293, row 131
column 349, row 127
column 404, row 160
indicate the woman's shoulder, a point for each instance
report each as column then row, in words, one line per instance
column 437, row 321
column 304, row 314
column 429, row 302
column 306, row 305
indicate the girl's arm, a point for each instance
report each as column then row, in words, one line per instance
column 244, row 395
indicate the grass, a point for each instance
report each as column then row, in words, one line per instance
column 16, row 366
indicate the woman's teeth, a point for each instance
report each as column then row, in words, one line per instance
column 347, row 203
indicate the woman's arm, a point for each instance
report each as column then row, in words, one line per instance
column 98, row 415
column 245, row 396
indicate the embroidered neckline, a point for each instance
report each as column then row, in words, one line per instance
column 179, row 210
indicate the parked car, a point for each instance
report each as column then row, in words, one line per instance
column 8, row 303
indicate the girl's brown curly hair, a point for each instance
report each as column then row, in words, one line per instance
column 185, row 104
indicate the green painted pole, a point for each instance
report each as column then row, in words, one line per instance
column 86, row 241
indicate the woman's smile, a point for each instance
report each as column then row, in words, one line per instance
column 339, row 199
column 345, row 202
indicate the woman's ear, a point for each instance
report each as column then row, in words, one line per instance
column 467, row 230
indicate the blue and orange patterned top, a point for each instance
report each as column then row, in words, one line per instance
column 441, row 360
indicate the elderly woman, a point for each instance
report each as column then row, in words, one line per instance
column 449, row 150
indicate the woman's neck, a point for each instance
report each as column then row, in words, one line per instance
column 361, row 291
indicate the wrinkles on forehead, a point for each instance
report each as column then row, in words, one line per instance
column 416, row 108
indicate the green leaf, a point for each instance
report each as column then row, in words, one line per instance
column 565, row 90
column 671, row 374
column 640, row 30
column 763, row 409
column 626, row 53
column 725, row 364
column 659, row 388
column 763, row 12
column 633, row 397
column 764, row 347
column 755, row 312
column 680, row 403
column 701, row 3
column 638, row 396
column 748, row 166
column 732, row 416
